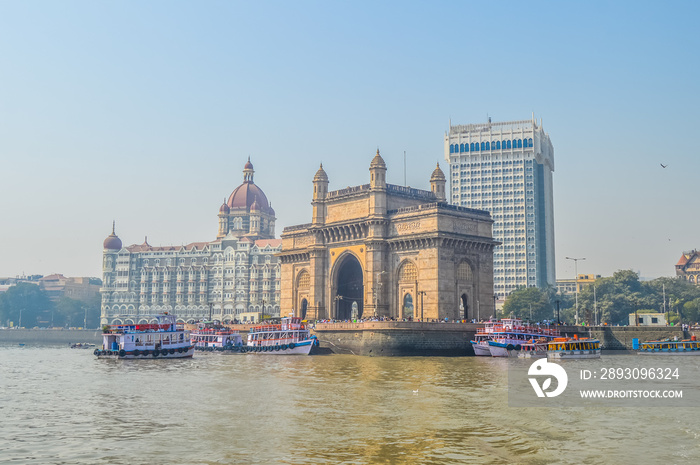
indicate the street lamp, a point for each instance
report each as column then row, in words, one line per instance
column 576, row 271
column 495, row 310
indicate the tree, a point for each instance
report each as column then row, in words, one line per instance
column 25, row 302
column 529, row 303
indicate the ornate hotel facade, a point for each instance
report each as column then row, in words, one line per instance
column 235, row 277
column 381, row 250
column 506, row 168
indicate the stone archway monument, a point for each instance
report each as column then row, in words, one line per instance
column 379, row 245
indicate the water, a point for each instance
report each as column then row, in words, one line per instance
column 62, row 406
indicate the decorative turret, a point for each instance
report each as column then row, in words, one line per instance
column 437, row 183
column 377, row 172
column 248, row 172
column 377, row 186
column 319, row 198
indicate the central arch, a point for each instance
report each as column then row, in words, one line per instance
column 349, row 288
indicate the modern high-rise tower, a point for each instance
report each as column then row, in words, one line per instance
column 506, row 168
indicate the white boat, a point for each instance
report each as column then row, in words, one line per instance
column 291, row 337
column 480, row 344
column 213, row 337
column 162, row 339
column 562, row 348
column 667, row 347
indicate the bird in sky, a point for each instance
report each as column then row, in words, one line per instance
column 662, row 165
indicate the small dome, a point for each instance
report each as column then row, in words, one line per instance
column 377, row 161
column 437, row 175
column 248, row 165
column 321, row 175
column 255, row 206
column 224, row 208
column 112, row 242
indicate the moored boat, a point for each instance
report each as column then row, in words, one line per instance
column 562, row 348
column 291, row 337
column 508, row 339
column 213, row 337
column 163, row 339
column 667, row 347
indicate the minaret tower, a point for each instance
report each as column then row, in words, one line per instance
column 437, row 184
column 377, row 185
column 319, row 198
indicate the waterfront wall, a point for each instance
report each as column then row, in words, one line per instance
column 397, row 338
column 50, row 336
column 394, row 338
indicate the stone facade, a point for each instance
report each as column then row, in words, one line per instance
column 381, row 250
column 228, row 279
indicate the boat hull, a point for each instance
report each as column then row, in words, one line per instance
column 299, row 348
column 573, row 354
column 187, row 352
column 669, row 352
column 481, row 350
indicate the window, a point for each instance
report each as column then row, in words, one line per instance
column 408, row 271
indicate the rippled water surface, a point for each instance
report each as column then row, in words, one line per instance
column 62, row 406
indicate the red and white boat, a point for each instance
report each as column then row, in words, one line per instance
column 214, row 337
column 162, row 339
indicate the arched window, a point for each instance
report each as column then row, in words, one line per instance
column 483, row 146
column 476, row 147
column 498, row 144
column 408, row 271
column 466, row 147
column 529, row 142
column 520, row 143
column 452, row 148
column 304, row 280
column 488, row 146
column 508, row 143
column 464, row 271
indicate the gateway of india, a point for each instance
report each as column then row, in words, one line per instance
column 382, row 250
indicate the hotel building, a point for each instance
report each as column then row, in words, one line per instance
column 235, row 277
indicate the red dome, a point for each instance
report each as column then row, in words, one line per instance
column 224, row 208
column 112, row 242
column 244, row 196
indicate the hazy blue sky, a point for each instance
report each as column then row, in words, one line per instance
column 145, row 112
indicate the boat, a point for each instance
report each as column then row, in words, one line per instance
column 163, row 339
column 82, row 345
column 667, row 347
column 215, row 337
column 508, row 338
column 562, row 348
column 534, row 349
column 291, row 337
column 480, row 344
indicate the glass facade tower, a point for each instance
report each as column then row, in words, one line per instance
column 506, row 168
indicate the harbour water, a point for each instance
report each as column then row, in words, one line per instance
column 62, row 406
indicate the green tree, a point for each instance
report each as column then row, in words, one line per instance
column 25, row 302
column 72, row 313
column 529, row 303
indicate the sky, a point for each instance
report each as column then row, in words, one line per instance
column 144, row 113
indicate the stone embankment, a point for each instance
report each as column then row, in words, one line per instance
column 396, row 338
column 50, row 336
